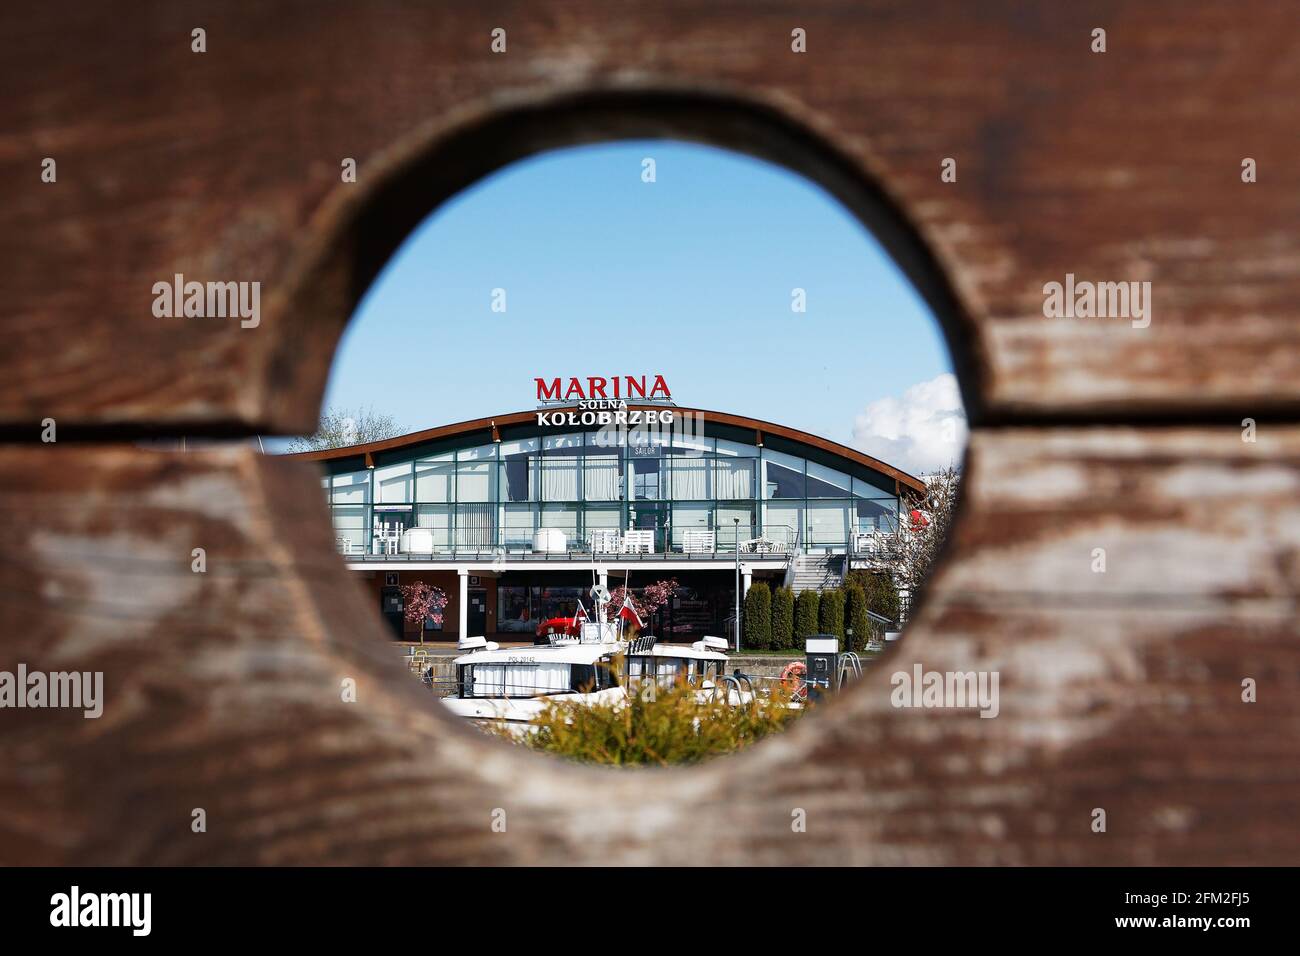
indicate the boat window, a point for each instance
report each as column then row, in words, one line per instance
column 606, row 675
column 515, row 679
column 668, row 670
column 583, row 679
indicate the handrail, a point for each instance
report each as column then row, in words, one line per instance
column 729, row 681
column 514, row 545
column 849, row 661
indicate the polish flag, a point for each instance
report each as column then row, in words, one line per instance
column 580, row 615
column 628, row 612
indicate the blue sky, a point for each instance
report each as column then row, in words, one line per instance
column 689, row 276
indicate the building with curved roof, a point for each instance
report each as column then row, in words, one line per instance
column 513, row 515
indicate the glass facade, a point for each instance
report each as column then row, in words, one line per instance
column 687, row 491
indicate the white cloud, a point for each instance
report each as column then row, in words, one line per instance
column 922, row 431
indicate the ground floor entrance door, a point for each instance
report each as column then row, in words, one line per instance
column 476, row 623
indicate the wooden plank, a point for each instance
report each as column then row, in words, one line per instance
column 223, row 688
column 1122, row 166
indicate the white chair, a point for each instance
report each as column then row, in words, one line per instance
column 639, row 542
column 605, row 541
column 696, row 541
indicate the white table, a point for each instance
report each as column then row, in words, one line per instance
column 417, row 540
column 550, row 541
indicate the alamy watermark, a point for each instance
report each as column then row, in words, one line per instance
column 943, row 689
column 76, row 690
column 209, row 300
column 75, row 908
column 1098, row 300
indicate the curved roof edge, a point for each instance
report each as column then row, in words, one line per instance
column 519, row 418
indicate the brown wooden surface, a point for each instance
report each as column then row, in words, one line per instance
column 1115, row 166
column 1119, row 690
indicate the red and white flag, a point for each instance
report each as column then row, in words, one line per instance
column 628, row 611
column 580, row 615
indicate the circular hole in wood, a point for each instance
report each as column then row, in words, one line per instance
column 639, row 421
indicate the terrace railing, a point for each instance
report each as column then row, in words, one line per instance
column 638, row 544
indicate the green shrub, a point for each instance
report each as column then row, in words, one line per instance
column 669, row 726
column 782, row 619
column 830, row 614
column 879, row 590
column 856, row 617
column 805, row 616
column 758, row 618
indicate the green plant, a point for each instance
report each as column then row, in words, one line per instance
column 830, row 614
column 805, row 616
column 879, row 590
column 757, row 621
column 668, row 726
column 856, row 616
column 782, row 618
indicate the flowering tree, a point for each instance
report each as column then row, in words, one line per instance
column 921, row 536
column 648, row 600
column 423, row 601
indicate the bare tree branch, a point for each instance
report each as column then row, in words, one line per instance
column 340, row 427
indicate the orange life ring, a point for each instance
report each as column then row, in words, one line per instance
column 794, row 674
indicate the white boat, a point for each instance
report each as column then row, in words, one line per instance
column 703, row 665
column 514, row 685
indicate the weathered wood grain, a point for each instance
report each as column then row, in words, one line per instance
column 224, row 688
column 1119, row 690
column 1120, row 166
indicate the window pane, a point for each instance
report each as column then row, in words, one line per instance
column 783, row 475
column 437, row 518
column 350, row 523
column 393, row 483
column 435, row 479
column 734, row 477
column 474, row 481
column 825, row 482
column 517, row 526
column 478, row 453
column 735, row 449
column 596, row 518
column 560, row 478
column 877, row 515
column 862, row 489
column 513, row 612
column 688, row 442
column 561, row 442
column 515, row 481
column 474, row 527
column 690, row 477
column 781, row 522
column 694, row 517
column 828, row 523
column 603, row 480
column 563, row 518
column 645, row 478
column 523, row 446
column 726, row 525
column 352, row 488
column 518, row 470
